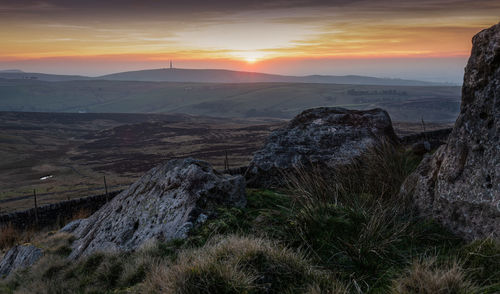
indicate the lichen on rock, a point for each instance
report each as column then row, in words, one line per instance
column 19, row 257
column 164, row 204
column 325, row 136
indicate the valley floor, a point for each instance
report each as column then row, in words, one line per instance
column 65, row 156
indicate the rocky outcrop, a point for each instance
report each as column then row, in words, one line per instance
column 19, row 257
column 460, row 184
column 164, row 204
column 326, row 136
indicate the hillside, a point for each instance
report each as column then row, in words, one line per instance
column 15, row 74
column 214, row 76
column 229, row 76
column 279, row 100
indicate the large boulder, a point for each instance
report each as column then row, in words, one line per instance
column 19, row 257
column 325, row 136
column 164, row 204
column 460, row 184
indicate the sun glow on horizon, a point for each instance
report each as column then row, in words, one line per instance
column 282, row 37
column 251, row 59
column 249, row 56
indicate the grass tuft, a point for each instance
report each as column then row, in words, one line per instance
column 481, row 259
column 238, row 265
column 427, row 277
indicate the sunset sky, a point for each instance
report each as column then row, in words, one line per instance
column 427, row 40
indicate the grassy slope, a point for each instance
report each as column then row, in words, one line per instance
column 226, row 100
column 320, row 236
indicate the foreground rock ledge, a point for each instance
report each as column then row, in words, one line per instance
column 327, row 136
column 164, row 204
column 460, row 184
column 18, row 257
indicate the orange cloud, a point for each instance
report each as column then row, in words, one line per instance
column 240, row 32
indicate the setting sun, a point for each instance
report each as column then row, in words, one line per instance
column 249, row 56
column 250, row 59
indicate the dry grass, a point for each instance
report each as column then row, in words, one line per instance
column 80, row 214
column 239, row 265
column 98, row 273
column 427, row 277
column 373, row 178
column 10, row 236
column 380, row 171
column 355, row 221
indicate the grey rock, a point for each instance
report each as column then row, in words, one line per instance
column 460, row 184
column 164, row 204
column 325, row 136
column 72, row 226
column 19, row 257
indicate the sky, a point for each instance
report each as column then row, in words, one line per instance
column 426, row 40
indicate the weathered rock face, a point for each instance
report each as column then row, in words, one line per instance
column 164, row 204
column 19, row 257
column 327, row 136
column 460, row 184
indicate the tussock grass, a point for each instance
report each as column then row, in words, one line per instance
column 355, row 222
column 427, row 277
column 481, row 258
column 97, row 273
column 240, row 265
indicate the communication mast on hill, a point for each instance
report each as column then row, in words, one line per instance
column 171, row 64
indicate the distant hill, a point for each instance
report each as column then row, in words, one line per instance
column 214, row 76
column 11, row 71
column 20, row 75
column 229, row 76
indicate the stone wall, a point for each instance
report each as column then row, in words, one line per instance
column 55, row 214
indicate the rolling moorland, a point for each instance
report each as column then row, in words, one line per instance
column 77, row 150
column 241, row 100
